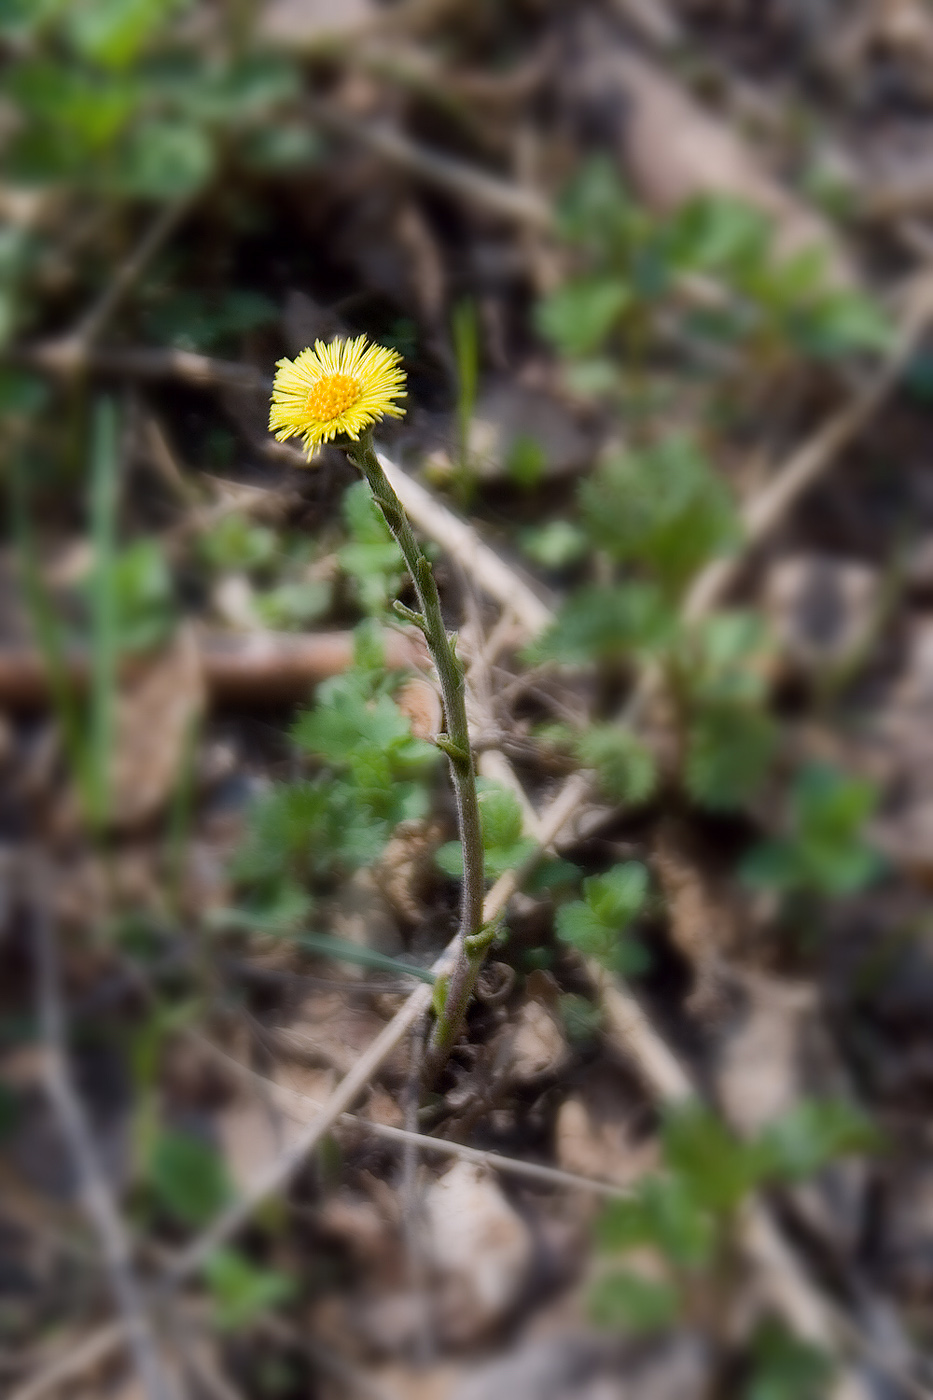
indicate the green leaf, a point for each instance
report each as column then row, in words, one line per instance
column 292, row 606
column 342, row 732
column 306, row 830
column 363, row 735
column 627, row 1300
column 596, row 213
column 663, row 508
column 661, row 1212
column 526, row 461
column 607, row 624
column 618, row 896
column 188, row 1177
column 787, row 1368
column 596, row 377
column 282, row 147
column 373, row 559
column 578, row 316
column 825, row 851
column 845, row 323
column 242, row 1291
column 236, row 543
column 81, row 111
column 143, row 590
column 626, row 768
column 22, row 395
column 22, row 19
column 813, row 1134
column 717, row 234
column 717, row 1168
column 281, row 909
column 164, row 158
column 114, row 32
column 504, row 846
column 501, row 815
column 729, row 752
column 235, row 93
column 554, row 545
column 596, row 924
column 203, row 321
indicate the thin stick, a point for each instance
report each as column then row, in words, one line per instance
column 63, row 357
column 461, row 541
column 494, row 1161
column 95, row 1193
column 482, row 190
column 472, row 942
column 90, row 1352
column 130, row 270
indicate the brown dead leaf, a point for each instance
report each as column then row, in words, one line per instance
column 252, row 1135
column 529, row 1046
column 595, row 1133
column 360, row 914
column 675, row 150
column 157, row 708
column 326, row 1031
column 511, row 416
column 703, row 919
column 304, row 23
column 480, row 1248
column 435, row 1383
column 771, row 1053
column 406, row 868
column 419, row 700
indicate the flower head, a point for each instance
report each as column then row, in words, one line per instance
column 341, row 388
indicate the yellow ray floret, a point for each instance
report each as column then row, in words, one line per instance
column 341, row 388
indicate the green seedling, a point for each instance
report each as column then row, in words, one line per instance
column 596, row 925
column 825, row 851
column 688, row 1213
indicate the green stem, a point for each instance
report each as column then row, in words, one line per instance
column 455, row 743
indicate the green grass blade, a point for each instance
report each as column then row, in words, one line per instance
column 49, row 637
column 342, row 951
column 104, row 618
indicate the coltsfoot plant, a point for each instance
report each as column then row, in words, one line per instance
column 336, row 393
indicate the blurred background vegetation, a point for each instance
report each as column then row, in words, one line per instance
column 660, row 275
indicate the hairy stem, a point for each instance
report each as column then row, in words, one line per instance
column 456, row 744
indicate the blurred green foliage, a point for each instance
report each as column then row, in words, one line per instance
column 371, row 558
column 715, row 262
column 688, row 1212
column 596, row 924
column 372, row 774
column 824, row 851
column 118, row 98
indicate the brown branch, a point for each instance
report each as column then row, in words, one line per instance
column 239, row 669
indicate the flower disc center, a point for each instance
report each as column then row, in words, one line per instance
column 332, row 395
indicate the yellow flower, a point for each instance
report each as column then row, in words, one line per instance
column 342, row 388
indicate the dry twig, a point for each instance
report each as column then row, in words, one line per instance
column 95, row 1192
column 250, row 668
column 494, row 1161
